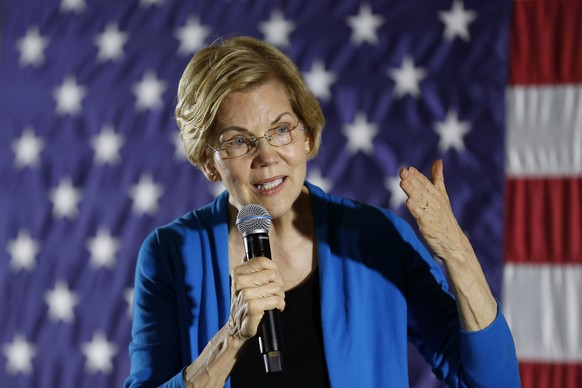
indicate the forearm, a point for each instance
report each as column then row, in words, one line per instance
column 213, row 366
column 475, row 302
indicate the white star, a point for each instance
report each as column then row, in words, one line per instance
column 106, row 145
column 128, row 297
column 99, row 353
column 27, row 149
column 69, row 96
column 314, row 176
column 451, row 132
column 179, row 152
column 72, row 5
column 276, row 30
column 65, row 198
column 191, row 36
column 103, row 248
column 320, row 80
column 397, row 196
column 32, row 47
column 364, row 25
column 61, row 302
column 148, row 92
column 147, row 3
column 23, row 251
column 145, row 195
column 407, row 78
column 360, row 134
column 457, row 21
column 110, row 43
column 19, row 354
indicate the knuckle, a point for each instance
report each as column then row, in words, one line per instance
column 254, row 307
column 271, row 275
column 246, row 294
column 236, row 282
column 280, row 290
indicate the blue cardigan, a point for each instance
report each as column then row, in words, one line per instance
column 379, row 289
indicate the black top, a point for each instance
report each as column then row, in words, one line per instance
column 303, row 358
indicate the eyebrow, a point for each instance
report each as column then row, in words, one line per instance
column 240, row 129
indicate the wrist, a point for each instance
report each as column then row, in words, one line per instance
column 233, row 341
column 458, row 252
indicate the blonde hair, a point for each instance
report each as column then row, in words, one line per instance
column 236, row 64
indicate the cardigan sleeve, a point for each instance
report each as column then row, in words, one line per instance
column 155, row 350
column 488, row 355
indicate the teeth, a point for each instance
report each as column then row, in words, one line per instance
column 270, row 185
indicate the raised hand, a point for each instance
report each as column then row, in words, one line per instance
column 429, row 204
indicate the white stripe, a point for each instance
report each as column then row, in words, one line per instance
column 544, row 130
column 543, row 306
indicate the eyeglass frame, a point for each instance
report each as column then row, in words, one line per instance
column 255, row 141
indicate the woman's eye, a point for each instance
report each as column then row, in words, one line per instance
column 282, row 129
column 237, row 142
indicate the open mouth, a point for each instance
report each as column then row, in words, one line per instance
column 269, row 185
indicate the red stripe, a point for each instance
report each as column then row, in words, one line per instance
column 543, row 220
column 545, row 42
column 542, row 375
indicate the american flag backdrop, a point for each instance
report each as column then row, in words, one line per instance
column 90, row 160
column 542, row 283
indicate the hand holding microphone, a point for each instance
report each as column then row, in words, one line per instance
column 259, row 283
column 256, row 287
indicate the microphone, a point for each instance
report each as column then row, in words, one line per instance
column 254, row 222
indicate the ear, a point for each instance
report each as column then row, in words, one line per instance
column 210, row 171
column 307, row 143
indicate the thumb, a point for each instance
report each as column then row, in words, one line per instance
column 437, row 175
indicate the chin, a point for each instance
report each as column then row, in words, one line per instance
column 281, row 207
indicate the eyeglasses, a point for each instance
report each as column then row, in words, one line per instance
column 242, row 145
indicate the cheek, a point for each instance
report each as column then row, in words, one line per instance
column 298, row 156
column 231, row 171
column 220, row 165
column 223, row 167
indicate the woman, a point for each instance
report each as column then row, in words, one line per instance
column 353, row 282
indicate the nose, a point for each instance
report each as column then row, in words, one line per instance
column 265, row 153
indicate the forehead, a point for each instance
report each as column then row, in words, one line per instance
column 257, row 106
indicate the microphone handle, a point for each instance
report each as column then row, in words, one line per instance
column 270, row 332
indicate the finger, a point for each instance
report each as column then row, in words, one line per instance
column 247, row 309
column 418, row 210
column 253, row 309
column 417, row 186
column 255, row 264
column 258, row 292
column 259, row 306
column 247, row 317
column 256, row 279
column 437, row 175
column 254, row 272
column 418, row 179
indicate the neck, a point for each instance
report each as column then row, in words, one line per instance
column 299, row 220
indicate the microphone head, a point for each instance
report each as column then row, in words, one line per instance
column 253, row 218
